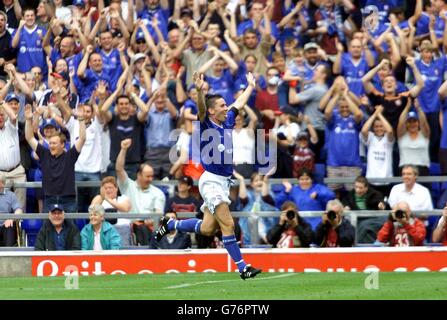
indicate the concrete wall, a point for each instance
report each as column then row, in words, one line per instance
column 15, row 266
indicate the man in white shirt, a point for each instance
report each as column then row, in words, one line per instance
column 144, row 197
column 10, row 165
column 417, row 196
column 88, row 166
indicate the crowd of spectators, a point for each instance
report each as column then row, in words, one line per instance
column 102, row 91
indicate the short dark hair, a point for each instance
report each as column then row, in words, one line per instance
column 123, row 96
column 250, row 30
column 363, row 180
column 210, row 100
column 305, row 172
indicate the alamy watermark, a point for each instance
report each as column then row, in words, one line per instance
column 218, row 148
column 372, row 280
column 71, row 277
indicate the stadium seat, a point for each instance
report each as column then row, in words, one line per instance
column 31, row 228
column 313, row 221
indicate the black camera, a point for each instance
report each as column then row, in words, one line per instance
column 331, row 215
column 290, row 214
column 399, row 214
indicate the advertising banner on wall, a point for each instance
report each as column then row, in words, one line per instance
column 272, row 260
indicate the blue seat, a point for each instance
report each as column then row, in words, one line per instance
column 31, row 228
column 436, row 187
column 313, row 221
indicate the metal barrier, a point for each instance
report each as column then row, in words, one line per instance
column 95, row 184
column 351, row 215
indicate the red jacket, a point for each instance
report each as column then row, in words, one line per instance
column 403, row 236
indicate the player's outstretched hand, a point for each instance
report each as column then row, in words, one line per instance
column 126, row 143
column 198, row 79
column 251, row 80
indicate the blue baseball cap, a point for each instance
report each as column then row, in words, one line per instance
column 412, row 115
column 50, row 122
column 12, row 96
column 80, row 3
column 56, row 207
column 139, row 36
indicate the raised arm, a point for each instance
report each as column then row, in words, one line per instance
column 201, row 105
column 121, row 160
column 29, row 132
column 353, row 107
column 423, row 123
column 82, row 68
column 414, row 92
column 367, row 78
column 204, row 68
column 82, row 130
column 104, row 109
column 331, row 105
column 232, row 45
column 241, row 101
column 388, row 128
column 367, row 126
column 336, row 68
column 9, row 112
column 15, row 40
column 401, row 126
column 229, row 60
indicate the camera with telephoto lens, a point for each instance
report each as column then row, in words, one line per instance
column 290, row 214
column 399, row 214
column 331, row 215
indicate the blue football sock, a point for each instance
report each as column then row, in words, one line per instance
column 189, row 225
column 234, row 251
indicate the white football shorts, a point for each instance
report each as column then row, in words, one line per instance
column 214, row 190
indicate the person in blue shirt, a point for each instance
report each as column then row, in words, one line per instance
column 91, row 76
column 216, row 123
column 443, row 120
column 111, row 58
column 245, row 66
column 432, row 66
column 342, row 132
column 257, row 15
column 219, row 78
column 154, row 12
column 28, row 39
column 307, row 195
column 353, row 65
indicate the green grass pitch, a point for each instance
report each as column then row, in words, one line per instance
column 223, row 286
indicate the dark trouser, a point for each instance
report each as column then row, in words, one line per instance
column 142, row 233
column 8, row 236
column 319, row 148
column 443, row 160
column 68, row 202
column 86, row 195
column 130, row 168
column 158, row 159
column 435, row 135
column 368, row 228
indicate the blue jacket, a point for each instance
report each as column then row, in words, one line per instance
column 264, row 224
column 110, row 238
column 303, row 200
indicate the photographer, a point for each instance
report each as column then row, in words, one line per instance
column 292, row 231
column 334, row 230
column 401, row 230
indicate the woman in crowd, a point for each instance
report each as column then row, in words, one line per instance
column 99, row 234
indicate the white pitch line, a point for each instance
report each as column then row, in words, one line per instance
column 219, row 281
